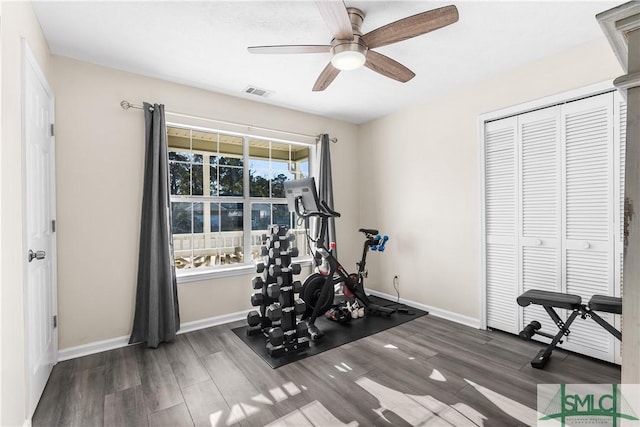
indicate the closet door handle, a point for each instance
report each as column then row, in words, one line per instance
column 538, row 242
column 586, row 245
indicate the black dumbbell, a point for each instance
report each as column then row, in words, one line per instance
column 274, row 252
column 275, row 270
column 257, row 282
column 264, row 251
column 284, row 260
column 257, row 299
column 294, row 252
column 291, row 237
column 299, row 306
column 530, row 330
column 282, row 280
column 297, row 287
column 276, row 336
column 296, row 269
column 260, row 267
column 263, row 238
column 273, row 290
column 274, row 312
column 253, row 318
column 301, row 329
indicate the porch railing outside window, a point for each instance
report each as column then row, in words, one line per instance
column 225, row 191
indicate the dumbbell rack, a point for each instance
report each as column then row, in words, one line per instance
column 275, row 295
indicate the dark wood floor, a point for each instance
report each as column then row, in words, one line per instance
column 425, row 372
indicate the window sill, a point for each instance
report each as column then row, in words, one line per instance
column 241, row 270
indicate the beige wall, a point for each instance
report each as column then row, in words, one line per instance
column 427, row 194
column 99, row 189
column 18, row 21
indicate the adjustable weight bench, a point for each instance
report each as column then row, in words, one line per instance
column 552, row 300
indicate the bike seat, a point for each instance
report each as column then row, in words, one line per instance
column 368, row 231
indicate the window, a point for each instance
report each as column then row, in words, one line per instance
column 225, row 191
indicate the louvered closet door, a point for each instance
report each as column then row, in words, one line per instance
column 587, row 127
column 540, row 201
column 501, row 224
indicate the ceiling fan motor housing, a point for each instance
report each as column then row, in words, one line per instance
column 350, row 54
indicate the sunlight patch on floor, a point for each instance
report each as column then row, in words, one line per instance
column 291, row 388
column 261, row 398
column 437, row 376
column 278, row 394
column 314, row 414
column 514, row 409
column 418, row 410
column 391, row 346
column 242, row 410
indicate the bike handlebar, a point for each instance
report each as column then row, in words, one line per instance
column 324, row 212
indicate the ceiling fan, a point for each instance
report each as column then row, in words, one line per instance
column 350, row 49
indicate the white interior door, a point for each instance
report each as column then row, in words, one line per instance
column 588, row 246
column 501, row 221
column 540, row 203
column 41, row 341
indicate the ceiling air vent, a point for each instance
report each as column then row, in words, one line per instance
column 257, row 91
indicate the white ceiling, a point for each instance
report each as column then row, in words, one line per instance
column 203, row 44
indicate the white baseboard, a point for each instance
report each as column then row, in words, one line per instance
column 438, row 312
column 92, row 348
column 113, row 343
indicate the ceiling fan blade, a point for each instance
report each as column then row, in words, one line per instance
column 388, row 67
column 337, row 19
column 303, row 48
column 412, row 26
column 326, row 77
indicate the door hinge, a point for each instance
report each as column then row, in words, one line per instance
column 52, row 129
column 55, row 321
column 53, row 225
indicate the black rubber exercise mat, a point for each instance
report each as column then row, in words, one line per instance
column 335, row 334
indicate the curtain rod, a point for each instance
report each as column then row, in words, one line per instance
column 126, row 105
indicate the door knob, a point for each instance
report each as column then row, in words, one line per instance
column 538, row 242
column 36, row 255
column 586, row 245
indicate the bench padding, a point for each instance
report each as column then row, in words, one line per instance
column 550, row 299
column 606, row 304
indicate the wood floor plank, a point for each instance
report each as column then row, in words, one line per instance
column 440, row 369
column 121, row 369
column 161, row 390
column 340, row 395
column 204, row 342
column 90, row 361
column 269, row 382
column 205, row 404
column 125, row 408
column 495, row 377
column 185, row 363
column 85, row 400
column 493, row 414
column 237, row 390
column 55, row 396
column 171, row 417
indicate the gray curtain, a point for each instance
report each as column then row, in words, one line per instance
column 157, row 317
column 325, row 187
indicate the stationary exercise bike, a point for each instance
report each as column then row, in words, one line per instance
column 318, row 290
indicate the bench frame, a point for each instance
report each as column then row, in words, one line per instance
column 581, row 310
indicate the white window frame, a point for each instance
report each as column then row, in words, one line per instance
column 557, row 99
column 200, row 274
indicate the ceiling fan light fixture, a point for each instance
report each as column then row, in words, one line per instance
column 348, row 56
